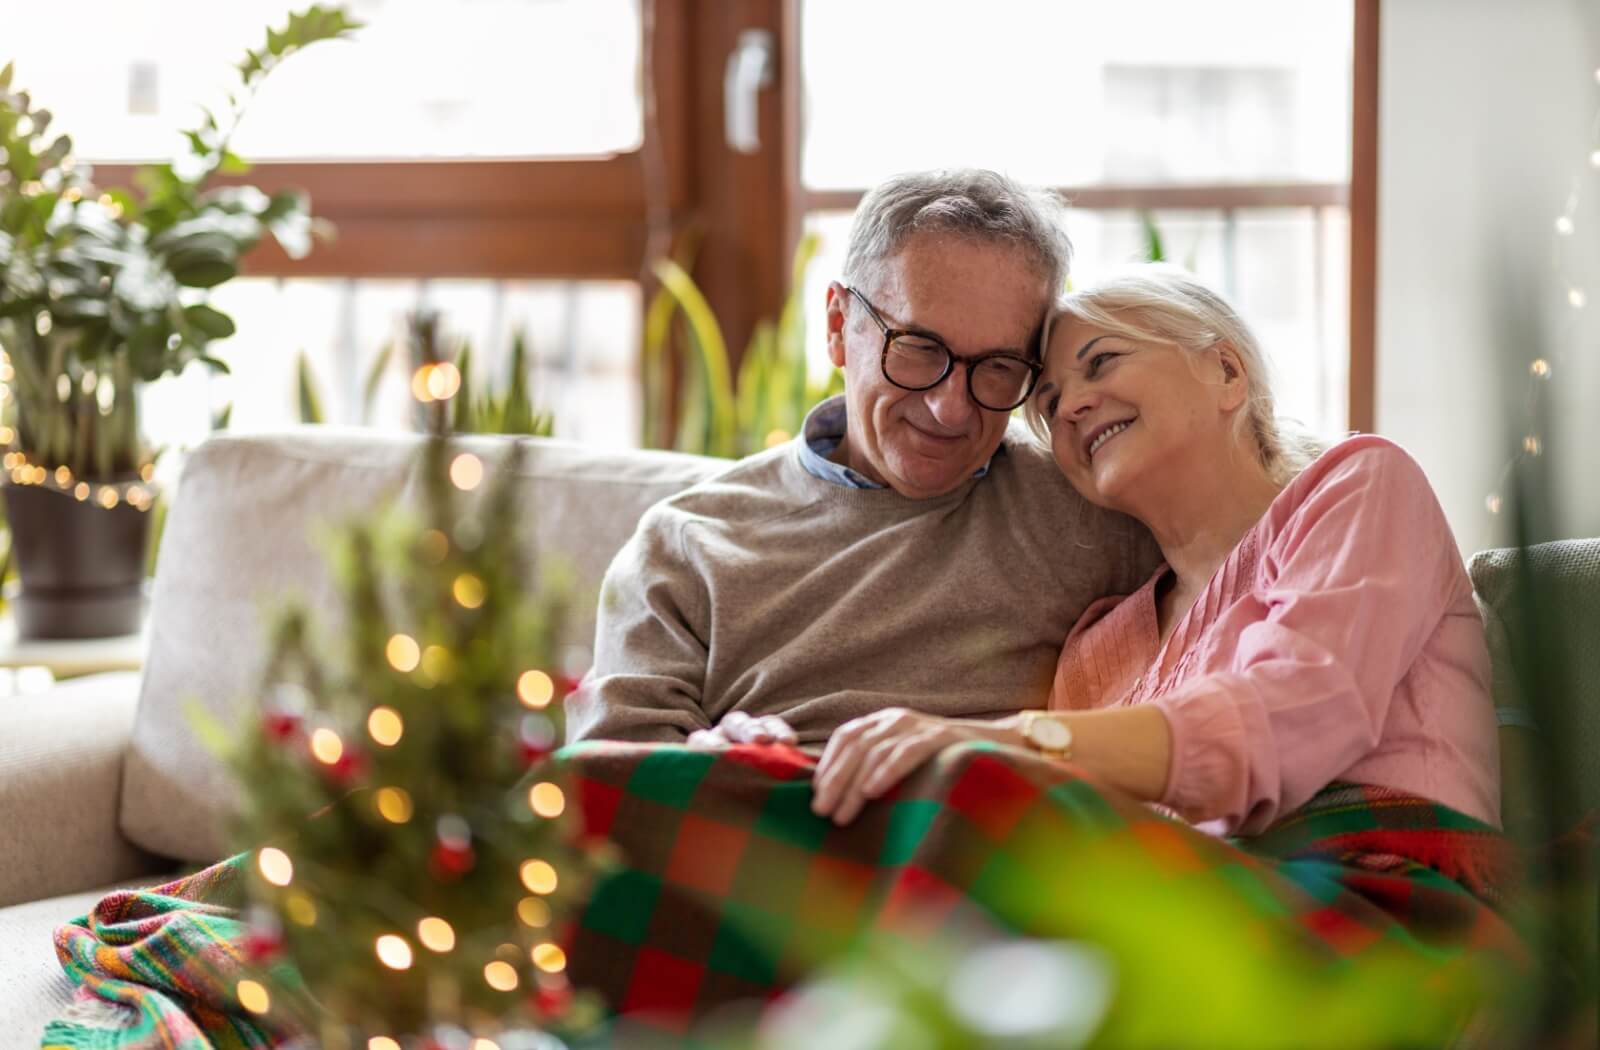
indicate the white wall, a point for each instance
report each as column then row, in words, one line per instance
column 1487, row 117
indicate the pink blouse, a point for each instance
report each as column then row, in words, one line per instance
column 1338, row 641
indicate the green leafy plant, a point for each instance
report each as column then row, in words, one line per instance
column 104, row 289
column 716, row 415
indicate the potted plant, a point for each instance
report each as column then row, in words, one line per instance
column 101, row 291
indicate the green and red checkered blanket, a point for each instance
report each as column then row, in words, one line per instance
column 730, row 888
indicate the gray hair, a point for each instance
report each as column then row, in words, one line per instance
column 1162, row 303
column 966, row 202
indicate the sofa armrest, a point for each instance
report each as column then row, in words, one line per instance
column 60, row 777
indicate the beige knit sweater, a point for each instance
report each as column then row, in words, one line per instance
column 770, row 591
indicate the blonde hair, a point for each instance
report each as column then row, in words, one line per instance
column 1162, row 303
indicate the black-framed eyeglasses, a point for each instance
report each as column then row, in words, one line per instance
column 998, row 381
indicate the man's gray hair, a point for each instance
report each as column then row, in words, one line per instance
column 966, row 202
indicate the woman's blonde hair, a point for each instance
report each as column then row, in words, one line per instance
column 1162, row 303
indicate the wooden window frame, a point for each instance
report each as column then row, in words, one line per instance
column 608, row 217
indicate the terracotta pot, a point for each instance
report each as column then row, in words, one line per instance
column 81, row 565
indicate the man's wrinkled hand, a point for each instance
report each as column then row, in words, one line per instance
column 740, row 728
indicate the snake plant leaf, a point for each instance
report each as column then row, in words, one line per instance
column 375, row 374
column 306, row 388
column 706, row 335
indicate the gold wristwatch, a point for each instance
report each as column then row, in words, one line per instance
column 1046, row 734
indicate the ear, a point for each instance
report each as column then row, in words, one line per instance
column 836, row 322
column 1235, row 382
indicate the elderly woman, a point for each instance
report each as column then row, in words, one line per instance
column 1312, row 623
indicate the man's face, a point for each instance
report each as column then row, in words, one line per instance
column 973, row 296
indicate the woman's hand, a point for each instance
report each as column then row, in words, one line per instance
column 869, row 755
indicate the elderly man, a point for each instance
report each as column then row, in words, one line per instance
column 909, row 549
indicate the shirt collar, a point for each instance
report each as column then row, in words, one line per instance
column 821, row 436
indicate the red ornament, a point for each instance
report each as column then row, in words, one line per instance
column 281, row 726
column 262, row 945
column 349, row 768
column 552, row 1000
column 451, row 860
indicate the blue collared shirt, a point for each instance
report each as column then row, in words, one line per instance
column 822, row 434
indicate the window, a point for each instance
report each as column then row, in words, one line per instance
column 1228, row 125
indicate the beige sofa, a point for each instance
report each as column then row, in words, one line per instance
column 102, row 782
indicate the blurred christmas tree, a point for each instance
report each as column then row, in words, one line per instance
column 423, row 900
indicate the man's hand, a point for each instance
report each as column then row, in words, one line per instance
column 867, row 756
column 740, row 728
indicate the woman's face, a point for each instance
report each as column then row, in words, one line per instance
column 1129, row 418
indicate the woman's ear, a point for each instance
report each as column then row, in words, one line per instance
column 835, row 323
column 1235, row 381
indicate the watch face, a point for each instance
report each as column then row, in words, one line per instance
column 1048, row 733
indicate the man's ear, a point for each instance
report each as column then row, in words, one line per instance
column 836, row 321
column 1235, row 381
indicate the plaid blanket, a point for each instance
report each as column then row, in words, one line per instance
column 731, row 889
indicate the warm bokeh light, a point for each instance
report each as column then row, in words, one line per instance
column 435, row 546
column 438, row 663
column 385, row 726
column 394, row 805
column 468, row 590
column 435, row 934
column 275, row 865
column 546, row 799
column 466, row 472
column 481, row 1043
column 253, row 997
column 404, row 653
column 549, row 957
column 502, row 976
column 533, row 912
column 394, row 952
column 538, row 876
column 535, row 688
column 443, row 380
column 302, row 910
column 382, row 1042
column 326, row 746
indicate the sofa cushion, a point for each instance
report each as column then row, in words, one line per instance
column 1557, row 638
column 241, row 539
column 37, row 990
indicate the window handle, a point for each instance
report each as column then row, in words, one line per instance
column 750, row 68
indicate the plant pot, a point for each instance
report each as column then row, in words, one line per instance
column 81, row 565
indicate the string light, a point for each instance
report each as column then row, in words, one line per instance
column 393, row 951
column 546, row 800
column 403, row 653
column 468, row 591
column 533, row 912
column 481, row 1043
column 108, row 495
column 501, row 976
column 549, row 957
column 275, row 865
column 535, row 689
column 436, row 935
column 1541, row 368
column 466, row 472
column 253, row 997
column 538, row 876
column 301, row 909
column 385, row 726
column 326, row 747
column 394, row 804
column 382, row 1042
column 438, row 663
